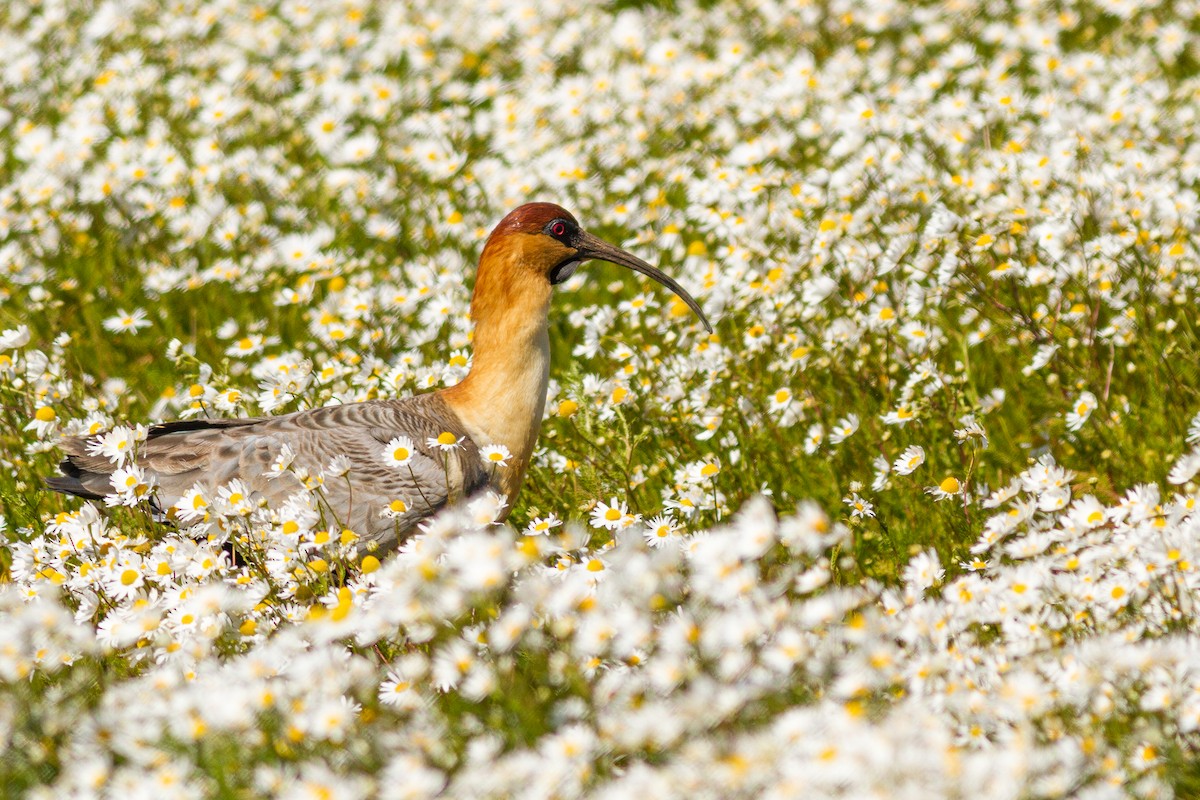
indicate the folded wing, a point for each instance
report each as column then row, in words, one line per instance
column 210, row 453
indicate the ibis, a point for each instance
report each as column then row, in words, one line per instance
column 500, row 402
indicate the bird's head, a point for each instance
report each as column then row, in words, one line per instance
column 545, row 239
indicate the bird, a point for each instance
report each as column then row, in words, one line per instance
column 501, row 401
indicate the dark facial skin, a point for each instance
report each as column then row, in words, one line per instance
column 581, row 246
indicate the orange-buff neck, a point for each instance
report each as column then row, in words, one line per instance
column 502, row 399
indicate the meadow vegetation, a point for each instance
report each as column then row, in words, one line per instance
column 918, row 519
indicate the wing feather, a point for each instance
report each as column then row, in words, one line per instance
column 213, row 452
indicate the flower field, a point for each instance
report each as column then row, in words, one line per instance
column 919, row 519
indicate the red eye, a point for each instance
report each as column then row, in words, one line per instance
column 558, row 228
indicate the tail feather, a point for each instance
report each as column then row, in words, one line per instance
column 176, row 454
column 79, row 463
column 71, row 484
column 185, row 425
column 82, row 475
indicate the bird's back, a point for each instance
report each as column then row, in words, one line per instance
column 211, row 453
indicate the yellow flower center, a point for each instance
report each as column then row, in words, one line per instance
column 446, row 438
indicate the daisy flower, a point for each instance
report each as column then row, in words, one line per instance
column 338, row 466
column 971, row 430
column 1087, row 512
column 1079, row 413
column 1185, row 467
column 397, row 508
column 858, row 506
column 882, row 470
column 14, row 338
column 126, row 322
column 540, row 526
column 844, row 429
column 659, row 529
column 249, row 345
column 400, row 693
column 44, row 421
column 917, row 335
column 495, row 455
column 909, row 460
column 228, row 400
column 116, row 445
column 882, row 315
column 130, row 484
column 125, row 582
column 813, row 438
column 235, row 496
column 486, row 509
column 192, row 506
column 398, row 452
column 923, row 571
column 445, row 441
column 900, row 416
column 948, row 488
column 609, row 516
column 282, row 462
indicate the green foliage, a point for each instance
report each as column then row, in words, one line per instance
column 933, row 229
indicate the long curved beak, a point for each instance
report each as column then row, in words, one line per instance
column 590, row 247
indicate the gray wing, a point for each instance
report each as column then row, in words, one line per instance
column 213, row 452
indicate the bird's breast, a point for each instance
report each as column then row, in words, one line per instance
column 501, row 402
